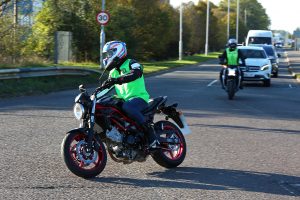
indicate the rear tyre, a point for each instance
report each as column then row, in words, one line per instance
column 78, row 160
column 170, row 155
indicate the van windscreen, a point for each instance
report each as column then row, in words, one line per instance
column 260, row 40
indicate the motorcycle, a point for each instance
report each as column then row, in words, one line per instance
column 231, row 79
column 105, row 127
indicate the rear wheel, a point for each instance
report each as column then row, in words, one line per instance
column 170, row 155
column 78, row 160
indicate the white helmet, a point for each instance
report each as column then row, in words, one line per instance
column 232, row 43
column 113, row 51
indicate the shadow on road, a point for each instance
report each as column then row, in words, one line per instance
column 243, row 128
column 213, row 179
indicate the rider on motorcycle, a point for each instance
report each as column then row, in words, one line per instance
column 231, row 57
column 126, row 75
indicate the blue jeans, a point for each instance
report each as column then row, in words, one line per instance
column 133, row 108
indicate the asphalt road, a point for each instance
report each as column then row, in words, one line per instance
column 246, row 148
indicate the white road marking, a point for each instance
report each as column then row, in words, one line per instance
column 211, row 83
column 290, row 86
column 282, row 184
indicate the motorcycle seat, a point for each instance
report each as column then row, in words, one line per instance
column 154, row 103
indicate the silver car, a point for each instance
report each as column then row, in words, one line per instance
column 273, row 56
column 258, row 65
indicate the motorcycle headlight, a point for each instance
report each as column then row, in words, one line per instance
column 78, row 111
column 265, row 67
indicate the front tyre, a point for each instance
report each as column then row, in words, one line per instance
column 267, row 83
column 78, row 160
column 231, row 89
column 170, row 155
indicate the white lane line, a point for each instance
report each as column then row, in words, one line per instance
column 290, row 86
column 282, row 184
column 211, row 83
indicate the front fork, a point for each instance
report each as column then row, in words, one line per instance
column 91, row 126
column 224, row 77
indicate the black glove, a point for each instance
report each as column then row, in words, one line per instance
column 222, row 61
column 109, row 82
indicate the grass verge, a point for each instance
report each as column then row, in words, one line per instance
column 43, row 85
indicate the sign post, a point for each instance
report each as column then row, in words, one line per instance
column 102, row 18
column 180, row 32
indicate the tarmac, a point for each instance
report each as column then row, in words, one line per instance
column 293, row 61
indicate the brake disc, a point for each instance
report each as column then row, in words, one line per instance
column 83, row 155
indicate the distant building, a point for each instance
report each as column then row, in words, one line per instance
column 26, row 9
column 297, row 33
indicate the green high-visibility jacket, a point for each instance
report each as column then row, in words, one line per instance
column 232, row 57
column 131, row 89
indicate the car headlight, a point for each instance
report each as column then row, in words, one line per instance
column 78, row 111
column 265, row 67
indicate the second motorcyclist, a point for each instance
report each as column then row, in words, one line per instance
column 231, row 57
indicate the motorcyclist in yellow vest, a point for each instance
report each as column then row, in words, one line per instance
column 231, row 56
column 126, row 75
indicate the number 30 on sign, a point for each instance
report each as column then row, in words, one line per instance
column 103, row 17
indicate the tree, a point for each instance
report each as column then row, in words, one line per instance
column 151, row 27
column 195, row 27
column 256, row 16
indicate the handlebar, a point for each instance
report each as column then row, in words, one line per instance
column 102, row 90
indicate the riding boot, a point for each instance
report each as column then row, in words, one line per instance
column 221, row 80
column 150, row 132
column 241, row 85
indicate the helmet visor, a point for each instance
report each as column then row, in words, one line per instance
column 110, row 53
column 233, row 45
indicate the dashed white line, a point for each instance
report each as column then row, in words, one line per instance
column 282, row 184
column 211, row 83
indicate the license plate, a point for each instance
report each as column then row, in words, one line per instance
column 186, row 129
column 247, row 74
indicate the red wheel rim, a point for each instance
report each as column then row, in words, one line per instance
column 171, row 151
column 81, row 158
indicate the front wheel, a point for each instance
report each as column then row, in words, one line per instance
column 267, row 83
column 170, row 155
column 231, row 89
column 83, row 163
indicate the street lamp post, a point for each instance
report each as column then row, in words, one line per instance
column 15, row 4
column 207, row 22
column 102, row 38
column 180, row 31
column 228, row 20
column 237, row 20
column 245, row 18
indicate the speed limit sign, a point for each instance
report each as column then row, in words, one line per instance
column 103, row 17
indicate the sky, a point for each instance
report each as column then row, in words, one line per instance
column 284, row 15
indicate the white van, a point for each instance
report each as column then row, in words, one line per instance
column 259, row 37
